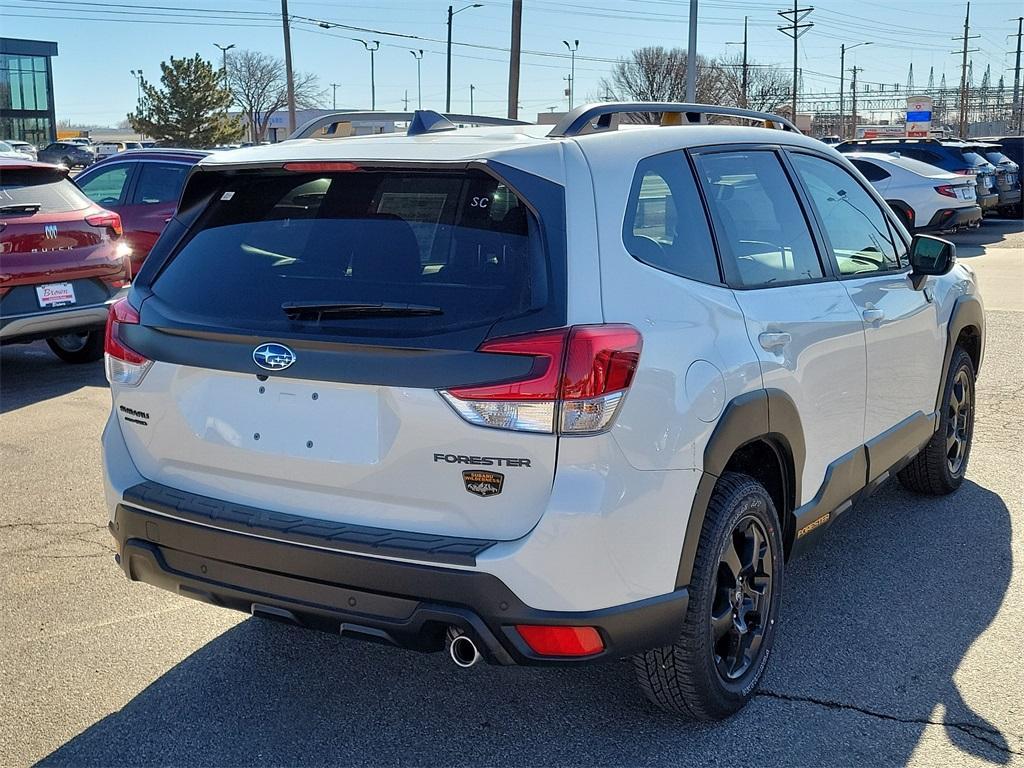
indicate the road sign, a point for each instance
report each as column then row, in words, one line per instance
column 919, row 116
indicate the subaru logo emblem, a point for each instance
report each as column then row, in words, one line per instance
column 50, row 231
column 273, row 357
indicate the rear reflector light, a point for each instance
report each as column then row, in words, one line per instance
column 107, row 219
column 321, row 167
column 561, row 641
column 947, row 190
column 123, row 364
column 576, row 384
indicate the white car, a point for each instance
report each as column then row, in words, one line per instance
column 8, row 150
column 532, row 394
column 21, row 146
column 925, row 197
column 107, row 149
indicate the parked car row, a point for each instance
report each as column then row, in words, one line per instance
column 937, row 185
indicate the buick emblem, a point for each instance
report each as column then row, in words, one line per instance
column 273, row 357
column 50, row 231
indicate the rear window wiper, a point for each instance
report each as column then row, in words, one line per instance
column 20, row 208
column 319, row 309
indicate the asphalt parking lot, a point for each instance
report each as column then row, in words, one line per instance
column 901, row 638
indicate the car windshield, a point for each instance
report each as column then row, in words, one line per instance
column 5, row 147
column 50, row 189
column 459, row 242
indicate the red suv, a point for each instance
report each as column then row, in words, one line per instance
column 143, row 187
column 61, row 261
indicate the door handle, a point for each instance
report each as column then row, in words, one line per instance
column 774, row 340
column 873, row 315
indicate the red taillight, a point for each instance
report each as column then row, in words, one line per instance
column 947, row 190
column 561, row 641
column 124, row 365
column 107, row 219
column 579, row 375
column 321, row 167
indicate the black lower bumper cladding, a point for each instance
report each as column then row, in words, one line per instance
column 399, row 603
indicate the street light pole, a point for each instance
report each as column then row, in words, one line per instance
column 418, row 55
column 471, row 89
column 691, row 56
column 842, row 79
column 137, row 74
column 448, row 86
column 334, row 95
column 224, row 69
column 572, row 68
column 372, row 46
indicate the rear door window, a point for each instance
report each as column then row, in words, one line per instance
column 458, row 247
column 49, row 190
column 759, row 223
column 159, row 183
column 665, row 224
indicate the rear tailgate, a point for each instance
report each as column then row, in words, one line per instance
column 50, row 254
column 332, row 409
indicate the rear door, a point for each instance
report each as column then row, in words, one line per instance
column 151, row 202
column 261, row 394
column 807, row 333
column 904, row 339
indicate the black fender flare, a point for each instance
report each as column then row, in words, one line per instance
column 762, row 414
column 967, row 313
column 903, row 207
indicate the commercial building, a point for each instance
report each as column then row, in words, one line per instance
column 26, row 91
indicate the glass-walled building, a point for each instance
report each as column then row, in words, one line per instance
column 26, row 91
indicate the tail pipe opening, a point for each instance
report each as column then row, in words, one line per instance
column 462, row 648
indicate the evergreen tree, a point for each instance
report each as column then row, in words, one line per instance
column 190, row 107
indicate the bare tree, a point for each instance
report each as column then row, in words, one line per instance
column 258, row 86
column 768, row 87
column 655, row 73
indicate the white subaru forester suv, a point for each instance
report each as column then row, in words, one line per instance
column 529, row 394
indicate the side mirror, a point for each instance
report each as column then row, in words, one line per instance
column 930, row 256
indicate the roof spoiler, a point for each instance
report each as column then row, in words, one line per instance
column 420, row 121
column 599, row 116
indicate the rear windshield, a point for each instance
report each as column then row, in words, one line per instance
column 459, row 247
column 974, row 158
column 49, row 189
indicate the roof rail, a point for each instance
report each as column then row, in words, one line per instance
column 895, row 139
column 582, row 119
column 420, row 118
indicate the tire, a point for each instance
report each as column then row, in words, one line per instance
column 78, row 347
column 695, row 677
column 66, row 161
column 940, row 466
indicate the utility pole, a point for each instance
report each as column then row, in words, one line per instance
column 288, row 66
column 842, row 80
column 471, row 89
column 963, row 71
column 418, row 55
column 515, row 51
column 224, row 69
column 744, row 81
column 853, row 95
column 334, row 95
column 691, row 56
column 1017, row 123
column 572, row 68
column 795, row 29
column 137, row 74
column 448, row 87
column 372, row 47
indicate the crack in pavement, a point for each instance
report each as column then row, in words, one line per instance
column 974, row 730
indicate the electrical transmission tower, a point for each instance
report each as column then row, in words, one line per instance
column 795, row 29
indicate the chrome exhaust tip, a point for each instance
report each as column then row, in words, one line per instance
column 463, row 651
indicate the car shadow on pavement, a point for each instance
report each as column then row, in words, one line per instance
column 992, row 232
column 31, row 373
column 875, row 625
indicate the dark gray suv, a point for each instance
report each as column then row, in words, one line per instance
column 68, row 154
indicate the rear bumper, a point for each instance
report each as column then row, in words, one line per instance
column 55, row 322
column 410, row 605
column 950, row 218
column 988, row 201
column 1009, row 197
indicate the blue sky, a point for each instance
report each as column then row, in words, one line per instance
column 101, row 40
